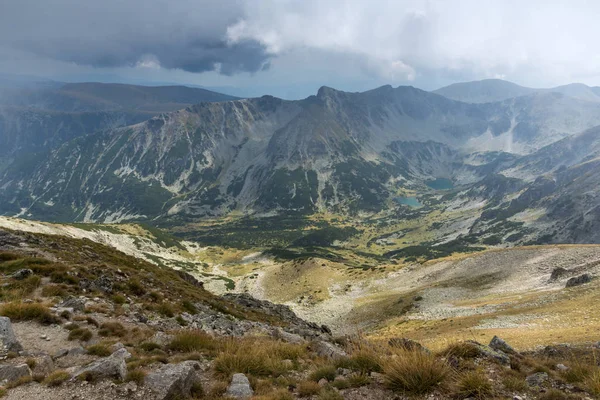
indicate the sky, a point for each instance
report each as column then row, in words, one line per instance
column 289, row 48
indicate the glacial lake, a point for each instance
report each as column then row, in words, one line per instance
column 440, row 184
column 409, row 201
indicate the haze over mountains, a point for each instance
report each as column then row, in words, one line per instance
column 110, row 153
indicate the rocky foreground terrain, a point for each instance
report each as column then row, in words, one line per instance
column 84, row 321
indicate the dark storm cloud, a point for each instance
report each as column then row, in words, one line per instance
column 188, row 35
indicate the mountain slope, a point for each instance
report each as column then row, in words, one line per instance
column 491, row 90
column 336, row 151
column 78, row 97
column 485, row 91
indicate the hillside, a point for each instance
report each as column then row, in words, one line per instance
column 81, row 319
column 94, row 97
column 491, row 90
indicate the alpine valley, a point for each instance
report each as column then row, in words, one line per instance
column 338, row 205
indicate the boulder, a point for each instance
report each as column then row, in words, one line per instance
column 537, row 379
column 239, row 388
column 407, row 344
column 43, row 365
column 488, row 352
column 22, row 274
column 173, row 380
column 579, row 280
column 288, row 337
column 328, row 350
column 10, row 373
column 558, row 273
column 8, row 340
column 76, row 303
column 500, row 345
column 113, row 366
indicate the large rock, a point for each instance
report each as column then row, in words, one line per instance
column 173, row 380
column 239, row 388
column 76, row 303
column 113, row 366
column 8, row 340
column 22, row 274
column 43, row 365
column 537, row 379
column 10, row 373
column 579, row 280
column 407, row 344
column 328, row 350
column 488, row 352
column 500, row 345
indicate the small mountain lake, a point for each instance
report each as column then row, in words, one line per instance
column 409, row 201
column 440, row 184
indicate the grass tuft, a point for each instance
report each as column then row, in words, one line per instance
column 28, row 312
column 414, row 372
column 56, row 378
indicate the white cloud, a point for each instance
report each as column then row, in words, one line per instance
column 551, row 41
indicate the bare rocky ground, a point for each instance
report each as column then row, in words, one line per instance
column 83, row 321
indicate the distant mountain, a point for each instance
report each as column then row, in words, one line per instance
column 336, row 151
column 491, row 90
column 83, row 97
column 485, row 91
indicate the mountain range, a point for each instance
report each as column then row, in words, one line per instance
column 513, row 161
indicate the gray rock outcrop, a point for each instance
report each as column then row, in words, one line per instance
column 173, row 380
column 8, row 340
column 239, row 388
column 500, row 345
column 579, row 280
column 11, row 373
column 113, row 366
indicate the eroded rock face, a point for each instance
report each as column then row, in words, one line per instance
column 239, row 388
column 173, row 380
column 8, row 340
column 113, row 366
column 579, row 280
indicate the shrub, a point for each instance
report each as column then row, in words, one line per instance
column 92, row 321
column 327, row 372
column 256, row 357
column 415, row 372
column 340, row 384
column 464, row 350
column 136, row 375
column 365, row 361
column 515, row 383
column 112, row 329
column 473, row 384
column 166, row 309
column 329, row 394
column 31, row 363
column 21, row 381
column 555, row 394
column 592, row 382
column 28, row 312
column 308, row 388
column 189, row 307
column 63, row 277
column 197, row 391
column 189, row 341
column 82, row 334
column 56, row 378
column 155, row 296
column 149, row 346
column 136, row 287
column 100, row 350
column 357, row 380
column 53, row 291
column 119, row 299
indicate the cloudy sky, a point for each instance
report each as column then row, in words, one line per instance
column 289, row 48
